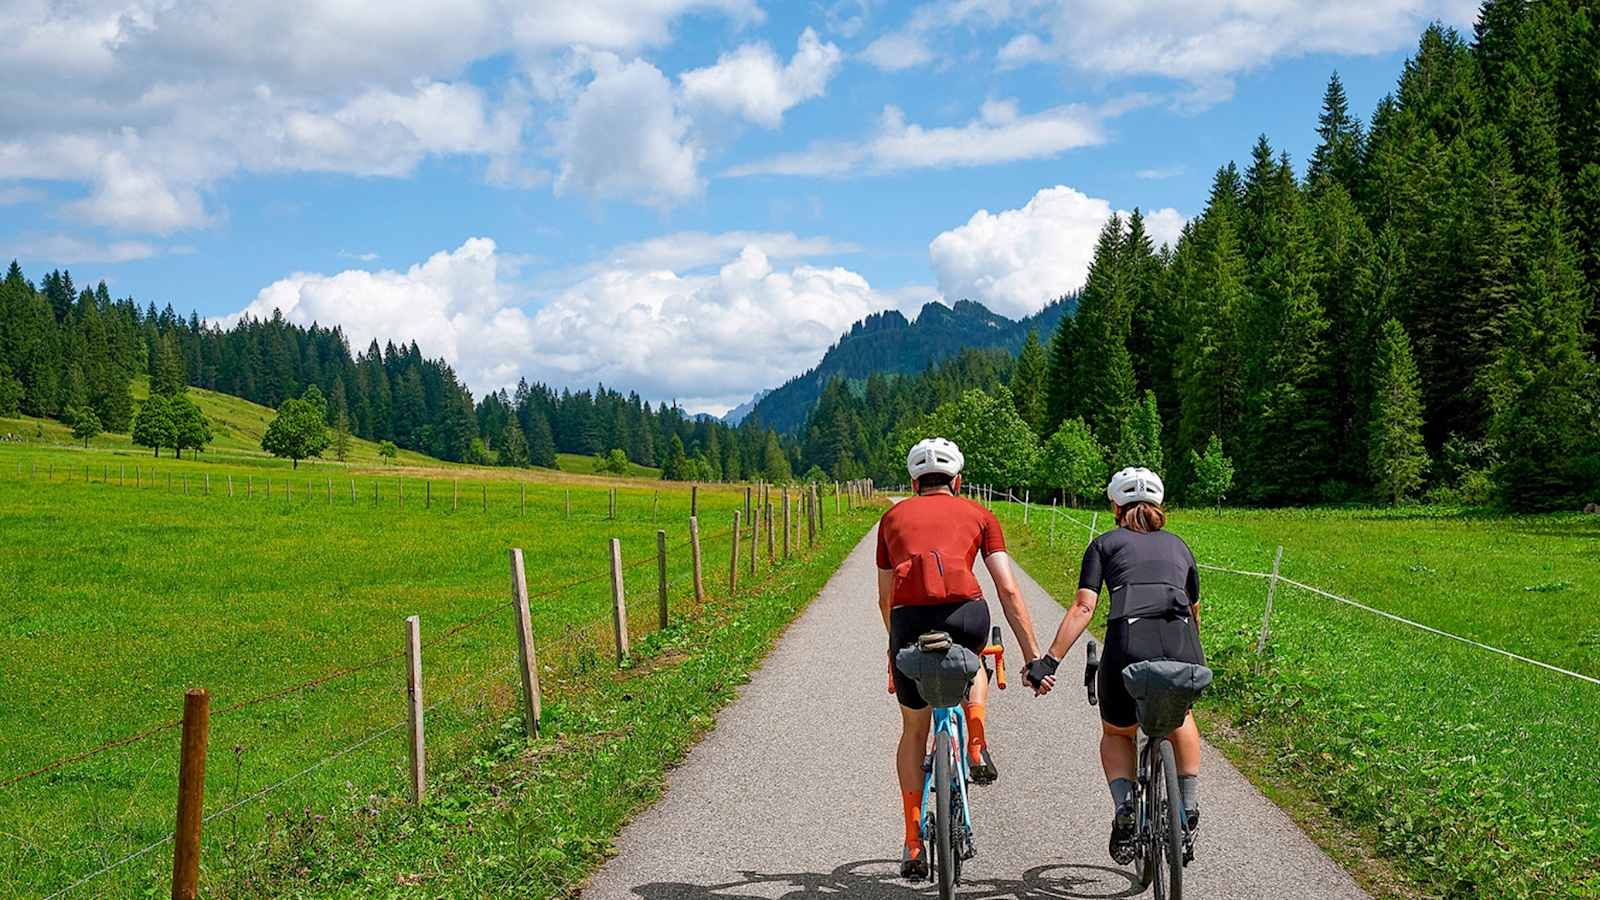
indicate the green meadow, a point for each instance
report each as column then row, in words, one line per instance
column 126, row 578
column 1472, row 774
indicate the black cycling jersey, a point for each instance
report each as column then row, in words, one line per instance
column 1148, row 574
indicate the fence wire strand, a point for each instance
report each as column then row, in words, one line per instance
column 1363, row 607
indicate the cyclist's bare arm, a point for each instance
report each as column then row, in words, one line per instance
column 885, row 594
column 1074, row 622
column 1016, row 612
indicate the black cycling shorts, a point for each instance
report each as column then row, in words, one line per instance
column 967, row 622
column 1135, row 640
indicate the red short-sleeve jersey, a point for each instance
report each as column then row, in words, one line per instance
column 931, row 543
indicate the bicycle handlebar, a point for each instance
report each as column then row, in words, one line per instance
column 1090, row 671
column 997, row 650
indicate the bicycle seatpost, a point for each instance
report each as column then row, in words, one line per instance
column 1091, row 670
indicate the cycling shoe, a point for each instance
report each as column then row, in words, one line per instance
column 1122, row 847
column 913, row 867
column 983, row 770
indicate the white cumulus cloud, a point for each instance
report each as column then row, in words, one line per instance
column 895, row 52
column 753, row 83
column 1017, row 260
column 1000, row 134
column 625, row 137
column 647, row 316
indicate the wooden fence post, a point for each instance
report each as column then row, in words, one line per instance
column 329, row 489
column 1027, row 500
column 661, row 574
column 694, row 499
column 694, row 552
column 771, row 557
column 811, row 516
column 352, row 492
column 755, row 537
column 619, row 602
column 612, row 514
column 400, row 491
column 786, row 523
column 1052, row 521
column 733, row 557
column 485, row 487
column 526, row 656
column 419, row 758
column 427, row 495
column 230, row 485
column 191, row 794
column 747, row 491
column 455, row 494
column 1266, row 616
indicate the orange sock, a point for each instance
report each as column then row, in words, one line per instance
column 976, row 740
column 911, row 805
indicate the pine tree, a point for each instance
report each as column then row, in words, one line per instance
column 1101, row 388
column 1209, row 366
column 541, row 445
column 1338, row 158
column 1059, row 378
column 341, row 436
column 1542, row 388
column 1287, row 425
column 512, row 448
column 168, row 378
column 1396, row 453
column 676, row 466
column 1028, row 385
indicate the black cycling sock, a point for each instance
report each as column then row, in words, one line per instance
column 1121, row 790
column 1189, row 787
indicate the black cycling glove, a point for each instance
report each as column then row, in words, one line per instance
column 1042, row 668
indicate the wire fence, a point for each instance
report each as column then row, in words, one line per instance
column 576, row 648
column 1275, row 577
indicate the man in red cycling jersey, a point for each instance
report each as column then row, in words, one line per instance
column 927, row 545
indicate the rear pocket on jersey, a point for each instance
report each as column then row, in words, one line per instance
column 930, row 577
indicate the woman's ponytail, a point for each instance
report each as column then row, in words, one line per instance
column 1143, row 517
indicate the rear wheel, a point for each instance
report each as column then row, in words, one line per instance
column 945, row 859
column 1166, row 851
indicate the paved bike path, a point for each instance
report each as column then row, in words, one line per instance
column 792, row 794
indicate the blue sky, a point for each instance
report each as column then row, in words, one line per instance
column 688, row 198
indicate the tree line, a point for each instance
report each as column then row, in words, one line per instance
column 1419, row 309
column 72, row 355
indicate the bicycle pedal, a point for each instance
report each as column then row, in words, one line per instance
column 968, row 849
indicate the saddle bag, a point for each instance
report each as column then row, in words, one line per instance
column 941, row 668
column 1163, row 690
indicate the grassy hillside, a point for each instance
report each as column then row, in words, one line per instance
column 115, row 597
column 237, row 427
column 1473, row 773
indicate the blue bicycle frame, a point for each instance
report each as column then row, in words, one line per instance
column 950, row 720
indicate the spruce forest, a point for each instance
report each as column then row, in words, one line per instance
column 1418, row 312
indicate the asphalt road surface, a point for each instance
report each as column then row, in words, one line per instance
column 792, row 795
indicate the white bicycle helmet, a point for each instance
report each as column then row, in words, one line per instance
column 1135, row 485
column 934, row 455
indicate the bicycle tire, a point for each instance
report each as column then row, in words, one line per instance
column 945, row 858
column 1170, row 845
column 1144, row 859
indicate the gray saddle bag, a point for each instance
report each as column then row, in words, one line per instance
column 941, row 668
column 1163, row 691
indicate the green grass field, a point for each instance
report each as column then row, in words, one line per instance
column 1473, row 773
column 114, row 598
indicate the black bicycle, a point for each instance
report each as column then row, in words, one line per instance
column 1162, row 844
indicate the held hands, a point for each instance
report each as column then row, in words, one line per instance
column 1040, row 674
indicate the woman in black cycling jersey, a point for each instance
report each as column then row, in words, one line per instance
column 1155, row 614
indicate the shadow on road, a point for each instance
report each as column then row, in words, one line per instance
column 879, row 880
